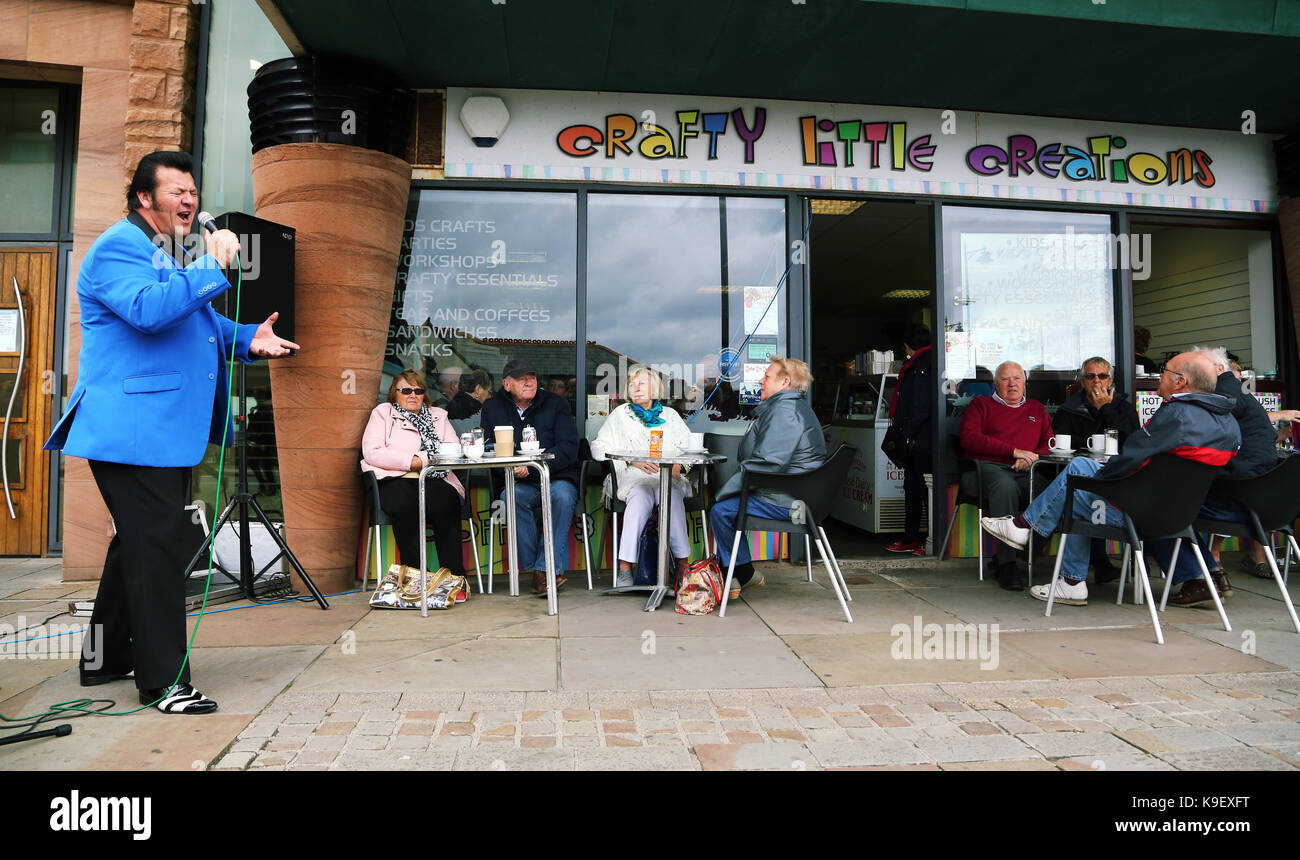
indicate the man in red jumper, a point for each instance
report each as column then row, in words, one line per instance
column 1004, row 435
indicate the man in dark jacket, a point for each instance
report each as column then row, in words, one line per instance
column 1258, row 454
column 1193, row 423
column 785, row 437
column 911, row 412
column 519, row 402
column 1095, row 408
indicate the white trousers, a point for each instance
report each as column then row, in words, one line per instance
column 641, row 501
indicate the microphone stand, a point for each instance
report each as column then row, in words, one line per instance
column 246, row 501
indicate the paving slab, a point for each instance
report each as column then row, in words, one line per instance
column 1239, row 758
column 1072, row 744
column 623, row 615
column 798, row 610
column 297, row 623
column 680, row 662
column 1095, row 653
column 777, row 757
column 856, row 660
column 865, row 753
column 1278, row 643
column 436, row 664
column 988, row 748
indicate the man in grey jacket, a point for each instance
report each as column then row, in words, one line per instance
column 786, row 438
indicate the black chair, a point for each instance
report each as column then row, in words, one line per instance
column 965, row 466
column 375, row 510
column 1272, row 500
column 1158, row 501
column 815, row 491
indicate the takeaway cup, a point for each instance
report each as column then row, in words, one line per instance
column 505, row 434
column 1060, row 443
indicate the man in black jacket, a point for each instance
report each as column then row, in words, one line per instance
column 1258, row 454
column 519, row 402
column 1095, row 408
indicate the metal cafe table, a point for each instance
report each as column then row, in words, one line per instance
column 534, row 460
column 665, row 464
column 1055, row 459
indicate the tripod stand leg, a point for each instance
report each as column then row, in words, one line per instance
column 211, row 539
column 284, row 548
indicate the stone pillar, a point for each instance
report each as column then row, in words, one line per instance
column 1288, row 217
column 348, row 206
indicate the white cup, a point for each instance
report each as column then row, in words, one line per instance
column 1060, row 443
column 1097, row 443
column 449, row 449
column 530, row 447
column 696, row 443
column 474, row 451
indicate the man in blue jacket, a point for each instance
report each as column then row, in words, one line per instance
column 151, row 394
column 1194, row 423
column 520, row 402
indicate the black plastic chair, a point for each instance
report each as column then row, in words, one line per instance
column 1158, row 501
column 965, row 466
column 378, row 518
column 1273, row 502
column 814, row 491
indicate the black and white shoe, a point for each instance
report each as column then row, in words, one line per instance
column 178, row 699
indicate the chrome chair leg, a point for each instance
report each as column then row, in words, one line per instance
column 731, row 569
column 834, row 582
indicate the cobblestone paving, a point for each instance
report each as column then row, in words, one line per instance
column 1187, row 722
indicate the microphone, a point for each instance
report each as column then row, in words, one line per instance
column 207, row 222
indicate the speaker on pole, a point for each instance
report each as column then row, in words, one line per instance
column 266, row 259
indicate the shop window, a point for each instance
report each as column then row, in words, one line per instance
column 691, row 286
column 28, row 122
column 1032, row 287
column 485, row 277
column 1206, row 286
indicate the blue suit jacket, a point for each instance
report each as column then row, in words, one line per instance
column 151, row 386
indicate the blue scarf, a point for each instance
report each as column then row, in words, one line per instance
column 649, row 417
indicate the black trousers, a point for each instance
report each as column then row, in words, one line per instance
column 914, row 496
column 139, row 618
column 1006, row 493
column 400, row 499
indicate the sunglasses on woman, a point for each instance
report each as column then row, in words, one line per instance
column 410, row 391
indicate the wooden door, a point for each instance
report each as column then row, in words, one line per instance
column 26, row 362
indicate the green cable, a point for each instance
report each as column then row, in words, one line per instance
column 80, row 705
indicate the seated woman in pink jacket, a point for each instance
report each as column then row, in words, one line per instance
column 400, row 437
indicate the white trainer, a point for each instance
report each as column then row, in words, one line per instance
column 1070, row 595
column 1005, row 530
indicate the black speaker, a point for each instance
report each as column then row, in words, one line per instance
column 266, row 263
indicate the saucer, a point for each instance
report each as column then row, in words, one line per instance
column 695, row 450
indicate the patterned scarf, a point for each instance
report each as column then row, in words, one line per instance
column 423, row 421
column 649, row 417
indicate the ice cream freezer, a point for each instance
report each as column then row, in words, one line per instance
column 871, row 497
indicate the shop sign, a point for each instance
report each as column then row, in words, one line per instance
column 717, row 141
